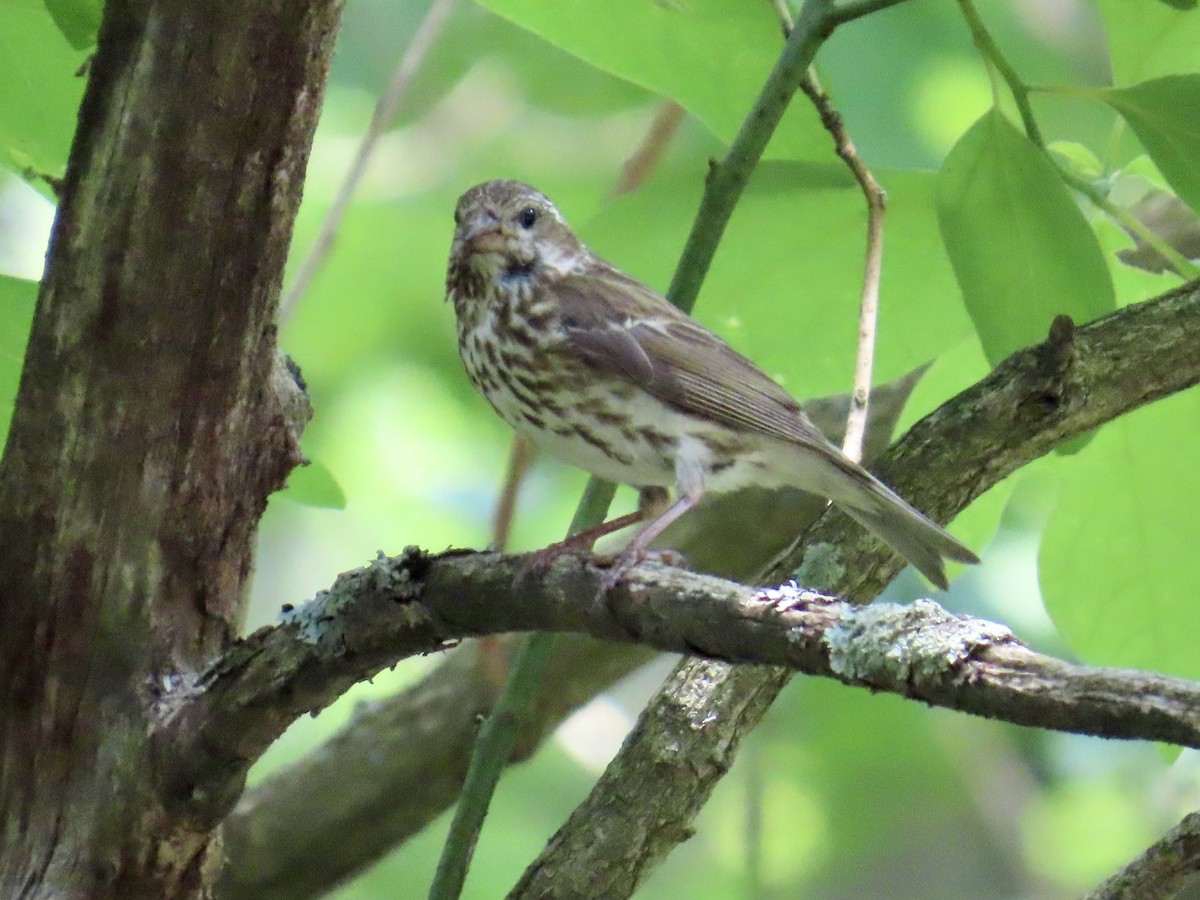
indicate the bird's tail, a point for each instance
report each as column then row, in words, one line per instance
column 882, row 511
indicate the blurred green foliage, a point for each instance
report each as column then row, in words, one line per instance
column 861, row 796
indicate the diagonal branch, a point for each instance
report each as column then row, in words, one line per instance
column 1161, row 871
column 1035, row 400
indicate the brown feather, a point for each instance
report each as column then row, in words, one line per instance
column 628, row 330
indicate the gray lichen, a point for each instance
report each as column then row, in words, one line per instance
column 888, row 642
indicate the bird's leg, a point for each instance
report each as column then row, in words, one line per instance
column 650, row 501
column 639, row 546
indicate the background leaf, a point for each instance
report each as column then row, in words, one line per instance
column 1021, row 249
column 314, row 485
column 711, row 56
column 1155, row 110
column 78, row 20
column 1118, row 565
column 1150, row 39
column 39, row 90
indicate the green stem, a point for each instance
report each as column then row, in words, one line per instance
column 494, row 745
column 1018, row 89
column 726, row 182
column 728, row 178
column 1131, row 223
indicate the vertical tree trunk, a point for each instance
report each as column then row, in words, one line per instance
column 150, row 427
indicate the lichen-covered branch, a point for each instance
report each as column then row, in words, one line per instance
column 415, row 604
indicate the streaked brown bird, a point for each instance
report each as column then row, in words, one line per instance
column 606, row 374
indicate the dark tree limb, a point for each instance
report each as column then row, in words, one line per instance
column 395, row 768
column 1037, row 399
column 153, row 419
column 1161, row 871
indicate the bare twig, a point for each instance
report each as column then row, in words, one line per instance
column 645, row 159
column 385, row 111
column 1161, row 871
column 868, row 315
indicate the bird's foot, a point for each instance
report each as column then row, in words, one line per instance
column 618, row 565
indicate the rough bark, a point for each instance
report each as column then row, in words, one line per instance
column 415, row 604
column 153, row 419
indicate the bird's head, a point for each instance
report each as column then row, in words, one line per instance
column 508, row 231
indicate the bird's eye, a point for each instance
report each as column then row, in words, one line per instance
column 527, row 217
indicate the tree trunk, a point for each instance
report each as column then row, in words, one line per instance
column 152, row 422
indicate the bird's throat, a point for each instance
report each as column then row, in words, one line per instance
column 519, row 270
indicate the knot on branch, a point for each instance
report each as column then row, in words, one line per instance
column 1051, row 376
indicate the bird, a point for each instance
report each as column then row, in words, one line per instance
column 603, row 372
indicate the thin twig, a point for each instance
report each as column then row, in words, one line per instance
column 385, row 112
column 520, row 459
column 646, row 157
column 868, row 315
column 856, row 422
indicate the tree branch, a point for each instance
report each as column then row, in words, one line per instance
column 413, row 603
column 154, row 418
column 396, row 748
column 1161, row 871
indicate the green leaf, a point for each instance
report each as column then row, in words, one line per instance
column 1163, row 114
column 314, row 485
column 1021, row 249
column 1118, row 565
column 18, row 298
column 39, row 90
column 1146, row 40
column 711, row 56
column 78, row 20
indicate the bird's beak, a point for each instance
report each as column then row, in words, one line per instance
column 488, row 238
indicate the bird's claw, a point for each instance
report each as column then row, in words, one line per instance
column 618, row 565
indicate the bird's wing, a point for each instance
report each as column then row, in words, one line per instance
column 625, row 329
